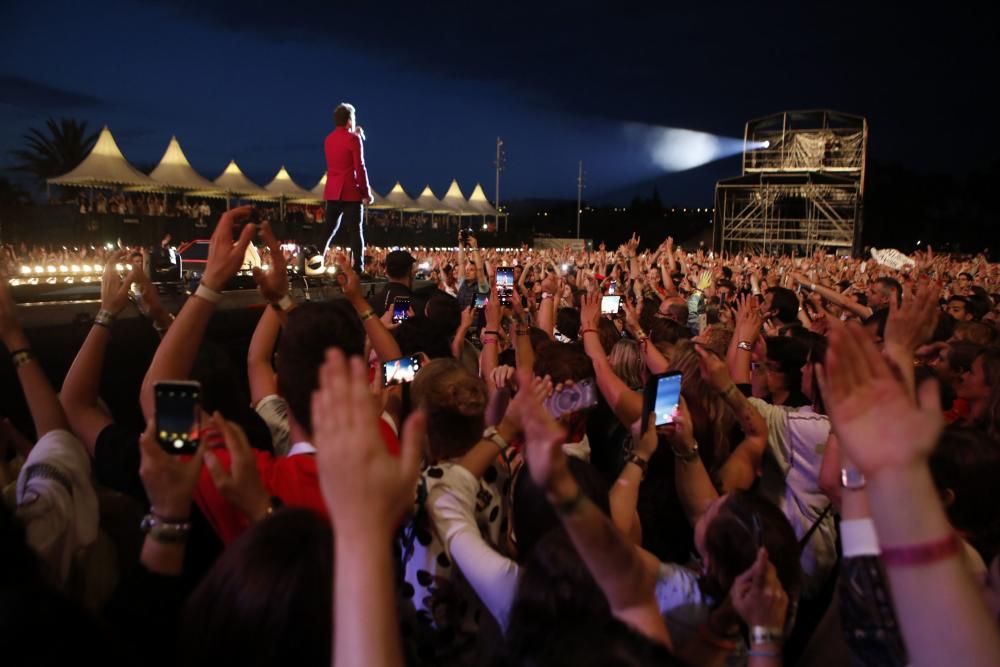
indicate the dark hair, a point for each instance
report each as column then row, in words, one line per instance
column 532, row 513
column 539, row 338
column 878, row 319
column 730, row 542
column 967, row 461
column 311, row 330
column 423, row 334
column 455, row 403
column 266, row 600
column 663, row 330
column 563, row 361
column 979, row 305
column 342, row 114
column 976, row 332
column 568, row 322
column 444, row 310
column 791, row 354
column 784, row 301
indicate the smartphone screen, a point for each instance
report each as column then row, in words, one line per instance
column 177, row 416
column 400, row 309
column 400, row 371
column 612, row 287
column 480, row 301
column 663, row 396
column 579, row 396
column 610, row 305
column 505, row 284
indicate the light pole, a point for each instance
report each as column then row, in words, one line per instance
column 579, row 198
column 499, row 166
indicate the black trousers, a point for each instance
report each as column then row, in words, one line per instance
column 343, row 228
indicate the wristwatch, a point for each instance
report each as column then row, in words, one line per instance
column 639, row 462
column 285, row 303
column 745, row 346
column 494, row 436
column 852, row 479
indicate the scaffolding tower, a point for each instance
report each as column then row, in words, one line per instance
column 802, row 186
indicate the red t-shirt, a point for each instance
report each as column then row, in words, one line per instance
column 293, row 479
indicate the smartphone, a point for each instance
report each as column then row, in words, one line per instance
column 505, row 284
column 611, row 305
column 480, row 301
column 612, row 287
column 177, row 404
column 400, row 371
column 662, row 396
column 400, row 309
column 579, row 396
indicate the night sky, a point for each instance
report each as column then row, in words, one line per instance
column 436, row 83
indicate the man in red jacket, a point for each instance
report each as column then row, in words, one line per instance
column 346, row 189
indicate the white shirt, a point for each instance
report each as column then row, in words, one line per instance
column 796, row 440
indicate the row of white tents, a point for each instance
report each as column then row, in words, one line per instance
column 106, row 167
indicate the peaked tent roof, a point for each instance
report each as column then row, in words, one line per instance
column 105, row 167
column 398, row 199
column 455, row 202
column 431, row 204
column 478, row 201
column 282, row 185
column 233, row 181
column 174, row 170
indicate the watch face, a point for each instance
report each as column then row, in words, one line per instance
column 851, row 478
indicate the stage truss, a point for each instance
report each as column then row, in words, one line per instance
column 802, row 186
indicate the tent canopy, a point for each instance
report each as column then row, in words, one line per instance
column 398, row 199
column 105, row 167
column 283, row 186
column 480, row 203
column 233, row 181
column 455, row 202
column 174, row 170
column 431, row 204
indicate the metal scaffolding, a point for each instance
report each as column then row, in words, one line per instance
column 802, row 186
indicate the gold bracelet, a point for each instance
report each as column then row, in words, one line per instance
column 367, row 315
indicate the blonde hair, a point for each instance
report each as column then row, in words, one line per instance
column 626, row 362
column 711, row 416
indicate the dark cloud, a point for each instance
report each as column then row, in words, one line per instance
column 37, row 96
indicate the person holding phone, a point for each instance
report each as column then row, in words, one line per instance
column 399, row 269
column 346, row 190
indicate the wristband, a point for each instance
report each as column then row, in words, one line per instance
column 588, row 330
column 687, row 456
column 639, row 462
column 208, row 294
column 165, row 531
column 489, row 341
column 762, row 634
column 285, row 303
column 21, row 357
column 491, row 332
column 924, row 553
column 745, row 346
column 367, row 315
column 546, row 295
column 523, row 331
column 104, row 318
column 494, row 436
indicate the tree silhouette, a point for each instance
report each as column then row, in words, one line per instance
column 57, row 151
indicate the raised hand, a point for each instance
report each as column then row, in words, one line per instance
column 748, row 319
column 757, row 595
column 350, row 283
column 714, row 371
column 912, row 324
column 240, row 485
column 114, row 290
column 225, row 257
column 590, row 310
column 879, row 424
column 543, row 445
column 169, row 480
column 365, row 488
column 273, row 283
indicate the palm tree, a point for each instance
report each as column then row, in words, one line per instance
column 55, row 153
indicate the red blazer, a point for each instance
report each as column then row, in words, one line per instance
column 346, row 177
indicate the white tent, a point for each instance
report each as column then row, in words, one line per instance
column 283, row 187
column 480, row 203
column 455, row 202
column 105, row 167
column 233, row 181
column 398, row 199
column 430, row 203
column 316, row 195
column 175, row 172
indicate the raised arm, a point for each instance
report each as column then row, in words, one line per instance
column 79, row 395
column 833, row 296
column 624, row 495
column 260, row 368
column 888, row 434
column 176, row 354
column 748, row 323
column 382, row 340
column 694, row 486
column 626, row 404
column 626, row 578
column 46, row 413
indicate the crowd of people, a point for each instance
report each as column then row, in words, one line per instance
column 821, row 493
column 128, row 203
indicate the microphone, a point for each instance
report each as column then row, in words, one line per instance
column 360, row 132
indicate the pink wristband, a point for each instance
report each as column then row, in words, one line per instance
column 924, row 553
